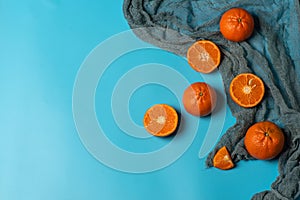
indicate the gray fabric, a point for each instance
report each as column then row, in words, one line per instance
column 272, row 53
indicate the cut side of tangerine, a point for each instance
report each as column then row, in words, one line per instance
column 247, row 90
column 204, row 56
column 161, row 120
column 222, row 159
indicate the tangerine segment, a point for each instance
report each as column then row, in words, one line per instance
column 204, row 56
column 222, row 159
column 161, row 120
column 247, row 90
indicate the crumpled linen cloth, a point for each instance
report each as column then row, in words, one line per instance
column 272, row 53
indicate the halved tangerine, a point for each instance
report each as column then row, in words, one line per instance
column 247, row 90
column 222, row 159
column 161, row 120
column 204, row 56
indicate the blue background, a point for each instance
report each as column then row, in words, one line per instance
column 42, row 45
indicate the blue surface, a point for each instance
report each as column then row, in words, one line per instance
column 43, row 45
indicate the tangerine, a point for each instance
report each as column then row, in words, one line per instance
column 199, row 99
column 264, row 140
column 247, row 90
column 161, row 120
column 236, row 24
column 222, row 159
column 204, row 56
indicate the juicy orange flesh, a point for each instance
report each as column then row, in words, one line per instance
column 204, row 56
column 247, row 89
column 160, row 120
column 222, row 159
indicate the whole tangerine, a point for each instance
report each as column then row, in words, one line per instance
column 264, row 140
column 236, row 24
column 199, row 99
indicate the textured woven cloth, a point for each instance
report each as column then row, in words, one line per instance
column 272, row 53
